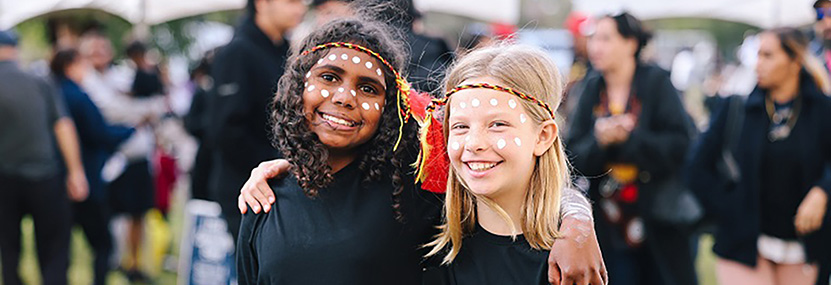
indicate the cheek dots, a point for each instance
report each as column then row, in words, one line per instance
column 365, row 105
column 377, row 107
column 518, row 142
column 522, row 118
column 500, row 144
column 324, row 93
column 455, row 145
column 311, row 88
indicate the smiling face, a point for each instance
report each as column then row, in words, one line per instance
column 343, row 98
column 492, row 142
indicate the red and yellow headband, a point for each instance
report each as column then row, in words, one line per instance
column 432, row 166
column 402, row 85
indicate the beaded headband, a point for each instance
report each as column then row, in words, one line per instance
column 431, row 136
column 402, row 85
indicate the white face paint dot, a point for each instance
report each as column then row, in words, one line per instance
column 467, row 138
column 324, row 93
column 378, row 71
column 462, row 105
column 500, row 143
column 368, row 65
column 512, row 103
column 474, row 102
column 455, row 145
column 356, row 60
column 308, row 74
column 333, row 57
column 494, row 102
column 319, row 61
column 365, row 105
column 311, row 88
column 517, row 142
column 306, row 84
column 522, row 118
column 353, row 93
column 377, row 107
column 344, row 57
column 340, row 90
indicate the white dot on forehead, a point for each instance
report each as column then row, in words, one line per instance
column 340, row 90
column 522, row 118
column 332, row 57
column 365, row 105
column 319, row 61
column 377, row 107
column 378, row 71
column 344, row 57
column 500, row 143
column 462, row 105
column 311, row 88
column 517, row 142
column 494, row 102
column 474, row 102
column 306, row 84
column 356, row 59
column 308, row 74
column 324, row 93
column 368, row 64
column 455, row 145
column 512, row 103
column 353, row 93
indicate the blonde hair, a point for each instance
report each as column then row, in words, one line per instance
column 530, row 71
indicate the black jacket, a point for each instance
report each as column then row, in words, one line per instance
column 737, row 207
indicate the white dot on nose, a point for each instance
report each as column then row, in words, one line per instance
column 494, row 102
column 368, row 65
column 356, row 60
column 324, row 93
column 340, row 90
column 455, row 145
column 333, row 57
column 474, row 102
column 512, row 103
column 517, row 142
column 365, row 105
column 500, row 143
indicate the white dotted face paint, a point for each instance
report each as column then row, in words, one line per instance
column 365, row 105
column 474, row 102
column 344, row 57
column 455, row 145
column 306, row 84
column 462, row 105
column 311, row 88
column 340, row 90
column 368, row 65
column 308, row 74
column 517, row 142
column 467, row 138
column 377, row 107
column 324, row 93
column 356, row 60
column 319, row 61
column 332, row 57
column 353, row 93
column 522, row 118
column 512, row 104
column 494, row 102
column 500, row 144
column 378, row 71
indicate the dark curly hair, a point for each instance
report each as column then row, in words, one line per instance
column 302, row 147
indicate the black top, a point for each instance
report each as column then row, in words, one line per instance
column 739, row 208
column 486, row 258
column 147, row 83
column 346, row 235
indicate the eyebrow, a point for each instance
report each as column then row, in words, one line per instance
column 340, row 71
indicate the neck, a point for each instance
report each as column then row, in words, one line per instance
column 786, row 91
column 491, row 221
column 340, row 159
column 273, row 33
column 621, row 75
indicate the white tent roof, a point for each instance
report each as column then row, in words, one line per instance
column 761, row 13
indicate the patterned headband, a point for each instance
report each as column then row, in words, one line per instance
column 509, row 90
column 402, row 85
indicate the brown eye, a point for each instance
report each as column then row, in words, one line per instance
column 368, row 89
column 328, row 77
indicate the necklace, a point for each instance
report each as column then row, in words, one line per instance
column 781, row 131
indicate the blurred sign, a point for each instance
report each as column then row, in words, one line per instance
column 206, row 256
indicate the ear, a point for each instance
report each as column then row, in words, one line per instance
column 546, row 136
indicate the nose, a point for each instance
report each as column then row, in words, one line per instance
column 342, row 97
column 476, row 141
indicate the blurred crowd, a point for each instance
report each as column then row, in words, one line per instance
column 741, row 151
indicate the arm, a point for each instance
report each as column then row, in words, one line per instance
column 76, row 181
column 576, row 257
column 247, row 265
column 812, row 209
column 91, row 125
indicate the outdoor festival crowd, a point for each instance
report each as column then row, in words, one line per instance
column 352, row 148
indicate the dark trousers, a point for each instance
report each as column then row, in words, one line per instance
column 46, row 201
column 94, row 218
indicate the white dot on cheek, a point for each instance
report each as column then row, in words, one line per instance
column 455, row 145
column 324, row 93
column 368, row 65
column 306, row 84
column 377, row 107
column 344, row 57
column 512, row 103
column 517, row 142
column 494, row 102
column 365, row 105
column 522, row 118
column 356, row 60
column 311, row 88
column 467, row 138
column 500, row 143
column 333, row 57
column 474, row 102
column 353, row 93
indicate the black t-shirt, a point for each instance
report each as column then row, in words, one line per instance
column 346, row 235
column 486, row 258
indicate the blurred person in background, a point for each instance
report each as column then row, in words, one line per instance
column 580, row 27
column 98, row 141
column 245, row 74
column 196, row 124
column 773, row 222
column 32, row 114
column 129, row 171
column 821, row 33
column 629, row 134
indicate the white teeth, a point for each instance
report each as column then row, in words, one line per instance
column 337, row 120
column 479, row 166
